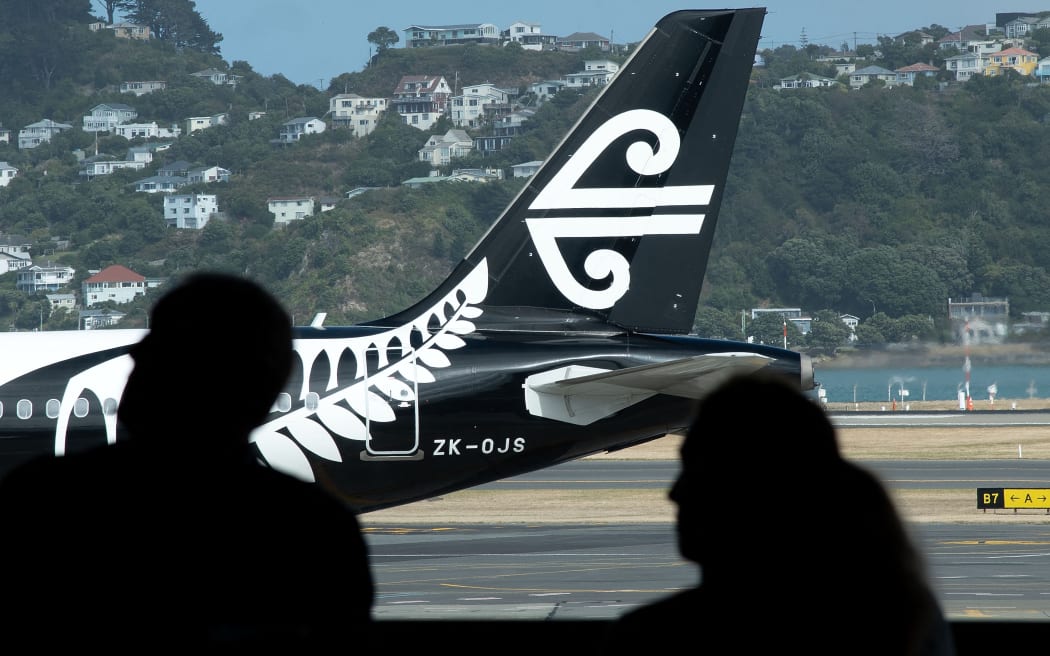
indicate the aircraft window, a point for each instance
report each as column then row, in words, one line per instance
column 52, row 407
column 1, row 408
column 109, row 407
column 312, row 400
column 283, row 402
column 80, row 407
column 24, row 409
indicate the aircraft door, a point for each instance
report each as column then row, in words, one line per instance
column 392, row 406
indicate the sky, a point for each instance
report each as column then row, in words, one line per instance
column 312, row 41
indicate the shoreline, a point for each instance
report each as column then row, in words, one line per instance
column 936, row 355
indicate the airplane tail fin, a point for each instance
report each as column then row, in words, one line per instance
column 617, row 224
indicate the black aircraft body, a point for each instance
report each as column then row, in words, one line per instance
column 564, row 332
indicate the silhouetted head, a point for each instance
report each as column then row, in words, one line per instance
column 218, row 352
column 756, row 444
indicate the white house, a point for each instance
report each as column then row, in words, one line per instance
column 421, row 100
column 207, row 174
column 114, row 283
column 440, row 150
column 468, row 109
column 294, row 129
column 526, row 169
column 94, row 319
column 7, row 174
column 62, row 301
column 195, row 123
column 805, row 81
column 35, row 278
column 189, row 211
column 217, row 77
column 146, row 131
column 358, row 113
column 290, row 208
column 5, row 135
column 595, row 73
column 105, row 117
column 424, row 36
column 141, row 88
column 544, row 90
column 124, row 30
column 105, row 164
column 13, row 258
column 965, row 66
column 529, row 36
column 160, row 184
column 40, row 132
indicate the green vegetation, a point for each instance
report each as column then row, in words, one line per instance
column 838, row 201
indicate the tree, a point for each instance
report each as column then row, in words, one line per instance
column 769, row 327
column 383, row 38
column 827, row 331
column 110, row 7
column 176, row 22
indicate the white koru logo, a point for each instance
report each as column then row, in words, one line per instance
column 560, row 194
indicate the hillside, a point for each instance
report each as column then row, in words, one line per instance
column 837, row 200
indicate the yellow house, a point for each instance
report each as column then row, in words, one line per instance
column 1019, row 59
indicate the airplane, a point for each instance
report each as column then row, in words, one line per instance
column 566, row 331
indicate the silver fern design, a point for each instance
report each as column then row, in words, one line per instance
column 346, row 410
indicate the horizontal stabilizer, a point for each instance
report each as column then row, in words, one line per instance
column 581, row 395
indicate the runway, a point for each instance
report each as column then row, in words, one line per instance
column 988, row 570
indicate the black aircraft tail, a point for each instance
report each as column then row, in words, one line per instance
column 617, row 224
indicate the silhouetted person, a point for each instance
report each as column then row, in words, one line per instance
column 800, row 551
column 176, row 535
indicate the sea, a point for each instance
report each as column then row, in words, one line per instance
column 861, row 385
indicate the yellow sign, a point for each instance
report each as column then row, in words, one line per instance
column 1036, row 497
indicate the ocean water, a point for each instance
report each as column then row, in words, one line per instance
column 933, row 383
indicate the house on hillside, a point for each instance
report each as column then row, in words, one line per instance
column 7, row 174
column 595, row 73
column 62, row 301
column 114, row 283
column 195, row 123
column 1018, row 60
column 189, row 211
column 124, row 30
column 146, row 131
column 217, row 77
column 468, row 109
column 51, row 278
column 581, row 40
column 863, row 76
column 421, row 100
column 207, row 174
column 907, row 74
column 526, row 169
column 805, row 81
column 106, row 116
column 142, row 87
column 440, row 150
column 290, row 208
column 294, row 130
column 360, row 114
column 103, row 164
column 425, row 36
column 529, row 36
column 40, row 132
column 95, row 319
column 964, row 66
column 15, row 257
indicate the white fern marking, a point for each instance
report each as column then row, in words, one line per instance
column 285, row 440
